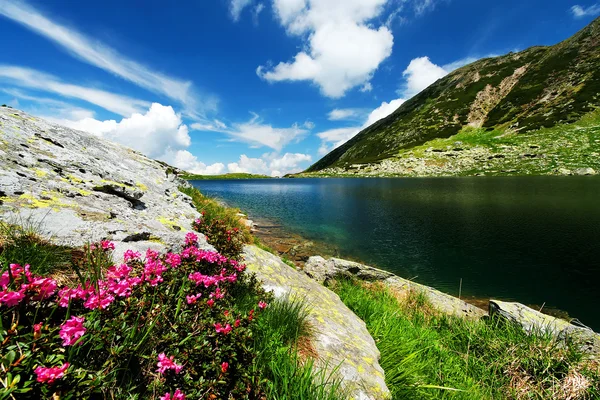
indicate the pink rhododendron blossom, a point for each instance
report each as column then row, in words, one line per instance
column 191, row 239
column 210, row 303
column 118, row 272
column 173, row 259
column 165, row 363
column 101, row 299
column 131, row 255
column 218, row 294
column 178, row 395
column 123, row 287
column 107, row 245
column 224, row 367
column 262, row 305
column 72, row 330
column 236, row 323
column 153, row 271
column 67, row 294
column 223, row 329
column 152, row 255
column 37, row 330
column 43, row 288
column 49, row 375
column 193, row 298
column 11, row 299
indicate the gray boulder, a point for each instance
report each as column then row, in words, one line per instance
column 322, row 270
column 534, row 321
column 340, row 338
column 584, row 171
column 79, row 188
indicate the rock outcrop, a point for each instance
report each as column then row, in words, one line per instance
column 534, row 321
column 79, row 188
column 321, row 270
column 341, row 339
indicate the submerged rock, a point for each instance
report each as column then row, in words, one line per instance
column 321, row 270
column 79, row 188
column 534, row 321
column 340, row 338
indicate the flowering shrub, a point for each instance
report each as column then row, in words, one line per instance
column 172, row 326
column 227, row 240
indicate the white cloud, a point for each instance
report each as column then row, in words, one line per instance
column 421, row 73
column 339, row 114
column 100, row 55
column 51, row 107
column 272, row 164
column 333, row 138
column 187, row 161
column 343, row 49
column 236, row 7
column 591, row 11
column 256, row 12
column 30, row 78
column 154, row 133
column 259, row 134
column 367, row 87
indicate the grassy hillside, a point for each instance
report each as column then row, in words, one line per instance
column 241, row 175
column 518, row 93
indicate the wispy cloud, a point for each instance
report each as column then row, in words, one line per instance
column 342, row 114
column 33, row 79
column 101, row 55
column 46, row 107
column 580, row 12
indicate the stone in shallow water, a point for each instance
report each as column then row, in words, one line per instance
column 341, row 338
column 321, row 270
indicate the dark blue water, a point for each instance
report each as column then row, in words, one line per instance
column 535, row 240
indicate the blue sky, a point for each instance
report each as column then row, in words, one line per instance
column 263, row 86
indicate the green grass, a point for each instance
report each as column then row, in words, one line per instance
column 282, row 331
column 427, row 355
column 212, row 210
column 194, row 177
column 22, row 243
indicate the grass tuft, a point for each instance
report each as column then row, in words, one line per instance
column 428, row 355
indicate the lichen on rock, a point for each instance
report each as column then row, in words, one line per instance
column 340, row 339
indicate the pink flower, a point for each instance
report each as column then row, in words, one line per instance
column 224, row 330
column 191, row 239
column 262, row 305
column 224, row 367
column 123, row 287
column 100, row 299
column 131, row 255
column 120, row 272
column 153, row 271
column 236, row 323
column 72, row 330
column 165, row 363
column 11, row 299
column 107, row 245
column 178, row 395
column 43, row 287
column 37, row 330
column 210, row 303
column 49, row 375
column 173, row 259
column 193, row 298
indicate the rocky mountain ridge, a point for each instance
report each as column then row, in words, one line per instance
column 519, row 93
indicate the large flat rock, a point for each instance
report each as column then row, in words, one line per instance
column 79, row 188
column 341, row 339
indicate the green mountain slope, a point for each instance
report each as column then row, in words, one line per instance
column 515, row 94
